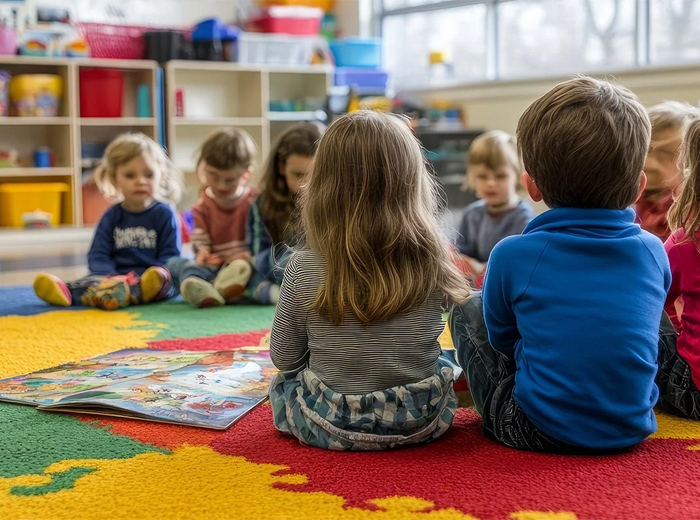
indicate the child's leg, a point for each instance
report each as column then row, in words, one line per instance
column 194, row 282
column 55, row 291
column 491, row 378
column 678, row 393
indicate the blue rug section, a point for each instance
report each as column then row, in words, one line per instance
column 21, row 301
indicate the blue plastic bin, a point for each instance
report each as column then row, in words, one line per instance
column 362, row 78
column 365, row 53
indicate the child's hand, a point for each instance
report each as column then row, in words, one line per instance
column 214, row 261
column 205, row 258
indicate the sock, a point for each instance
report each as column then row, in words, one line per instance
column 266, row 293
column 52, row 290
column 155, row 284
column 200, row 294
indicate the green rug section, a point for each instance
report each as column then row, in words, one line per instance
column 31, row 440
column 183, row 321
column 59, row 481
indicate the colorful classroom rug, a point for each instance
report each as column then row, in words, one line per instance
column 56, row 466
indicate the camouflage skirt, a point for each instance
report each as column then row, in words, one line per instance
column 306, row 408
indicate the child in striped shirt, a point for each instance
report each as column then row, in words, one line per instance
column 221, row 268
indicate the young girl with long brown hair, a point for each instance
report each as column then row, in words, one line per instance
column 360, row 311
column 271, row 230
column 679, row 368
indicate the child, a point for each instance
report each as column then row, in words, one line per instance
column 360, row 311
column 134, row 238
column 494, row 167
column 663, row 173
column 567, row 358
column 221, row 268
column 270, row 230
column 679, row 370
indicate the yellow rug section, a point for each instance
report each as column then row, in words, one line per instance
column 30, row 343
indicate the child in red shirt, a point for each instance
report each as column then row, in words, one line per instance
column 679, row 367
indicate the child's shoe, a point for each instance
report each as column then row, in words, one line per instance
column 200, row 294
column 110, row 294
column 266, row 293
column 232, row 279
column 155, row 284
column 52, row 290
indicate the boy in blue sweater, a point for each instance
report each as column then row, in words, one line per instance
column 560, row 349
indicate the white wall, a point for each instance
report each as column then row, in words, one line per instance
column 499, row 104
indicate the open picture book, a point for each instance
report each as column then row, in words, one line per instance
column 209, row 389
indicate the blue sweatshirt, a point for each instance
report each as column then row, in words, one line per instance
column 126, row 241
column 577, row 301
column 479, row 232
column 269, row 258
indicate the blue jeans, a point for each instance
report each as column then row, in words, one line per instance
column 183, row 268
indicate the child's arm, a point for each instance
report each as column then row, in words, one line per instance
column 100, row 259
column 169, row 239
column 674, row 292
column 467, row 250
column 497, row 296
column 289, row 347
column 201, row 239
column 258, row 239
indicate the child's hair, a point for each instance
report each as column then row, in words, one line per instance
column 493, row 149
column 277, row 204
column 584, row 144
column 670, row 115
column 684, row 212
column 371, row 210
column 228, row 148
column 129, row 146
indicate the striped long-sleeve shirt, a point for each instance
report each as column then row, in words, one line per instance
column 222, row 230
column 351, row 358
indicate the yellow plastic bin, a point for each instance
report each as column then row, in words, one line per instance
column 18, row 199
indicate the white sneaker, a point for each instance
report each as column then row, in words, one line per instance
column 232, row 279
column 200, row 294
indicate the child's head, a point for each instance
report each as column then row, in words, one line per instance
column 226, row 161
column 684, row 212
column 370, row 209
column 494, row 167
column 668, row 120
column 290, row 164
column 583, row 145
column 136, row 168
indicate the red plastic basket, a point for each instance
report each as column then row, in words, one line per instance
column 123, row 42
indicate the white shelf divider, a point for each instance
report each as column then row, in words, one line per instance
column 218, row 121
column 42, row 121
column 117, row 121
column 36, row 172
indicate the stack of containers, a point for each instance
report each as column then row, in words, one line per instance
column 358, row 62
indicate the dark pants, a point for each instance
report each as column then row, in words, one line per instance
column 678, row 393
column 83, row 290
column 491, row 378
column 182, row 268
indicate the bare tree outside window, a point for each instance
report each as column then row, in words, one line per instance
column 674, row 31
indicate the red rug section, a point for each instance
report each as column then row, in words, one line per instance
column 462, row 470
column 221, row 342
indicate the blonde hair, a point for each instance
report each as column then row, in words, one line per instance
column 584, row 144
column 670, row 115
column 493, row 149
column 129, row 146
column 684, row 210
column 371, row 210
column 228, row 148
column 277, row 203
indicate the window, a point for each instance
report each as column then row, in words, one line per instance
column 538, row 37
column 409, row 40
column 494, row 39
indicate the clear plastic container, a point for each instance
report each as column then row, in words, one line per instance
column 274, row 49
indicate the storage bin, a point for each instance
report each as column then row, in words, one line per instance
column 357, row 52
column 35, row 95
column 18, row 199
column 101, row 92
column 289, row 20
column 362, row 78
column 274, row 49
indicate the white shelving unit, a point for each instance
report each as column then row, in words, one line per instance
column 219, row 94
column 65, row 134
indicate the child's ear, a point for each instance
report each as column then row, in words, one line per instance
column 247, row 174
column 531, row 187
column 642, row 185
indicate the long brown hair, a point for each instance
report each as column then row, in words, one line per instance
column 685, row 211
column 277, row 203
column 371, row 211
